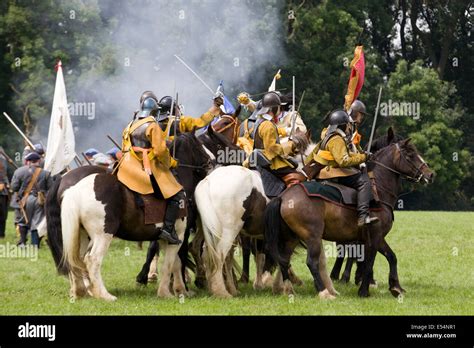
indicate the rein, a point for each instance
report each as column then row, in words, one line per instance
column 232, row 123
column 418, row 174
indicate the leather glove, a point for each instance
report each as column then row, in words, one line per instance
column 368, row 155
column 218, row 101
column 243, row 98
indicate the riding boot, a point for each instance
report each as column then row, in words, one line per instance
column 168, row 231
column 363, row 201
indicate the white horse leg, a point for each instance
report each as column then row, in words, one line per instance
column 229, row 273
column 153, row 273
column 278, row 283
column 323, row 272
column 100, row 244
column 260, row 263
column 171, row 254
column 179, row 288
column 216, row 283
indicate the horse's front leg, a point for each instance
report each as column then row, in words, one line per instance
column 142, row 277
column 394, row 284
column 372, row 244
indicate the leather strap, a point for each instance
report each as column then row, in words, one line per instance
column 32, row 182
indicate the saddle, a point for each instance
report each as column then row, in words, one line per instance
column 334, row 192
column 272, row 185
column 154, row 209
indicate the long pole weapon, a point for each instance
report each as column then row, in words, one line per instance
column 372, row 132
column 293, row 110
column 19, row 131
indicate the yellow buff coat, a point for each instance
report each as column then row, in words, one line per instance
column 273, row 151
column 189, row 123
column 132, row 174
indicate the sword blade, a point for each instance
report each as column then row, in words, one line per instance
column 195, row 74
column 372, row 132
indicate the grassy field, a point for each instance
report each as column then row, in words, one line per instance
column 435, row 253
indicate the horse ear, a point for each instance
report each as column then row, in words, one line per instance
column 309, row 134
column 406, row 141
column 390, row 135
column 210, row 130
column 237, row 111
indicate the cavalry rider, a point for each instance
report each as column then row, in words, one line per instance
column 342, row 164
column 166, row 118
column 357, row 112
column 283, row 120
column 31, row 182
column 147, row 166
column 284, row 123
column 266, row 142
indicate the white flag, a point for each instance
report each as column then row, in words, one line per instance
column 60, row 150
column 272, row 87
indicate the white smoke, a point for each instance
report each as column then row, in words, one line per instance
column 237, row 41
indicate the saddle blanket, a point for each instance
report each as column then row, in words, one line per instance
column 334, row 192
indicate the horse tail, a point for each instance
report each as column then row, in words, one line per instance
column 272, row 228
column 71, row 232
column 53, row 225
column 210, row 224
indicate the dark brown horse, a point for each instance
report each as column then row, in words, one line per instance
column 294, row 216
column 377, row 144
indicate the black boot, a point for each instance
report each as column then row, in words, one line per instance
column 168, row 231
column 23, row 233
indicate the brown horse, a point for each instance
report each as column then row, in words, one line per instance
column 294, row 216
column 228, row 125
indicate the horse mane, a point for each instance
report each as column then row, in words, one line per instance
column 189, row 140
column 221, row 139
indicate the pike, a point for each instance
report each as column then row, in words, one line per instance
column 85, row 157
column 293, row 110
column 9, row 160
column 19, row 131
column 176, row 121
column 372, row 132
column 113, row 141
column 195, row 74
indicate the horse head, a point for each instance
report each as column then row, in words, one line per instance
column 403, row 158
column 228, row 125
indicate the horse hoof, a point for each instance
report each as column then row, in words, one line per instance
column 334, row 292
column 244, row 279
column 223, row 295
column 109, row 298
column 258, row 286
column 396, row 291
column 345, row 280
column 267, row 280
column 288, row 288
column 326, row 295
column 363, row 294
column 373, row 284
column 297, row 281
column 153, row 278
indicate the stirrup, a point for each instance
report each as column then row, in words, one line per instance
column 367, row 221
column 171, row 238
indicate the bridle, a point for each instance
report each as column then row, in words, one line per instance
column 232, row 123
column 413, row 178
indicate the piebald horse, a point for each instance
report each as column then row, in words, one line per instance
column 98, row 208
column 293, row 217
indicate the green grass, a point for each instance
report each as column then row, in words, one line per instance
column 435, row 253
